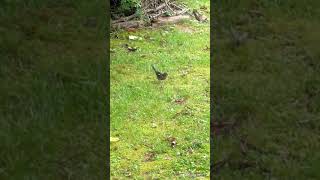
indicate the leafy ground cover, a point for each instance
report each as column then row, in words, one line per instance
column 147, row 115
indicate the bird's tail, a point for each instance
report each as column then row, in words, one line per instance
column 155, row 70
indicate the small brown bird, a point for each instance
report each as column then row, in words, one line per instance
column 172, row 141
column 199, row 17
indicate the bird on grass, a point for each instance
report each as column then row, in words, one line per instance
column 160, row 75
column 198, row 16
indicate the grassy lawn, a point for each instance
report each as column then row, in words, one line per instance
column 270, row 86
column 147, row 115
column 52, row 93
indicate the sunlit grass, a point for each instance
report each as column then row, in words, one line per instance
column 145, row 112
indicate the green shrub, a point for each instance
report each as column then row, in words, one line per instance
column 129, row 7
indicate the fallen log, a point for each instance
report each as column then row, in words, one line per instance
column 170, row 20
column 127, row 24
column 159, row 22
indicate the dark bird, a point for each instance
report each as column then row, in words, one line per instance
column 160, row 75
column 199, row 17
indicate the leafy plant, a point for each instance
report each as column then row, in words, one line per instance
column 130, row 6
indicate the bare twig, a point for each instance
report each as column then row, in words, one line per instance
column 176, row 6
column 169, row 6
column 128, row 18
column 160, row 7
column 148, row 11
column 157, row 15
column 182, row 12
column 145, row 8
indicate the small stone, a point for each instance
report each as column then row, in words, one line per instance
column 154, row 125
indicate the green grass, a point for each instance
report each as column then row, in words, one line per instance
column 52, row 90
column 270, row 86
column 144, row 112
